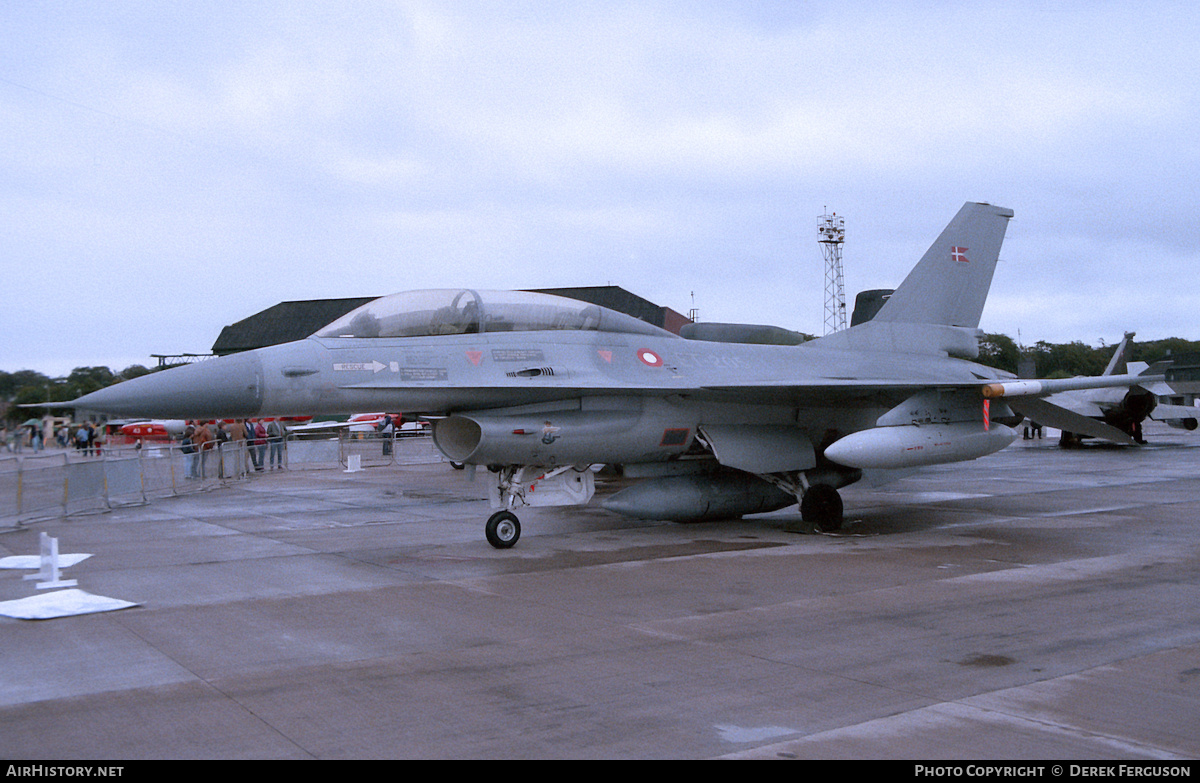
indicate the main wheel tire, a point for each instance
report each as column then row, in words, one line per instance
column 822, row 505
column 503, row 529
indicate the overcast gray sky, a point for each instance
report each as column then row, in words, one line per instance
column 172, row 167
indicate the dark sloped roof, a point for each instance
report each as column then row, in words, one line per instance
column 612, row 297
column 283, row 323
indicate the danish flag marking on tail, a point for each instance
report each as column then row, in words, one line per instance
column 959, row 254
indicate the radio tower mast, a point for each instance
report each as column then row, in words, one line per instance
column 831, row 231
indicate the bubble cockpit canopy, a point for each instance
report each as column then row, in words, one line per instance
column 465, row 311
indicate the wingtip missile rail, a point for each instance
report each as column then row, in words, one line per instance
column 1041, row 388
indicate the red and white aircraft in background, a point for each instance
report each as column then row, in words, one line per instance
column 169, row 429
column 158, row 429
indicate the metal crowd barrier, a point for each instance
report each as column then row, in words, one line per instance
column 60, row 483
column 374, row 449
column 55, row 483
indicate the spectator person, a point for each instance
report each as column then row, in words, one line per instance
column 48, row 432
column 188, row 448
column 251, row 451
column 260, row 444
column 387, row 431
column 237, row 443
column 222, row 437
column 99, row 438
column 203, row 440
column 275, row 435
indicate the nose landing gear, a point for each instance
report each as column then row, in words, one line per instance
column 503, row 529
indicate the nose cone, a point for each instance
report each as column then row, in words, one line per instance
column 229, row 387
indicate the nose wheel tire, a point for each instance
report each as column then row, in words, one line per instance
column 503, row 529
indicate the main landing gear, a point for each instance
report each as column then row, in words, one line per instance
column 822, row 506
column 817, row 491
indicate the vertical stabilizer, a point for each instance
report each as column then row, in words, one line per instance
column 1118, row 364
column 949, row 285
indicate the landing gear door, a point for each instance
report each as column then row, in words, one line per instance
column 538, row 486
column 760, row 448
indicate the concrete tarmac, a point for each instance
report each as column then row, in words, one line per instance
column 1034, row 604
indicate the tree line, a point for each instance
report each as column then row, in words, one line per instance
column 31, row 387
column 1066, row 360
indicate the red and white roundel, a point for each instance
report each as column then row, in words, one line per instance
column 649, row 357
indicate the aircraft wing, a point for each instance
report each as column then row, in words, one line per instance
column 1051, row 415
column 1074, row 401
column 832, row 388
column 833, row 392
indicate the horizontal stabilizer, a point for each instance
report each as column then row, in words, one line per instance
column 1175, row 412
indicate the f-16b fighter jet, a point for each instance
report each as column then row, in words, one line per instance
column 540, row 389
